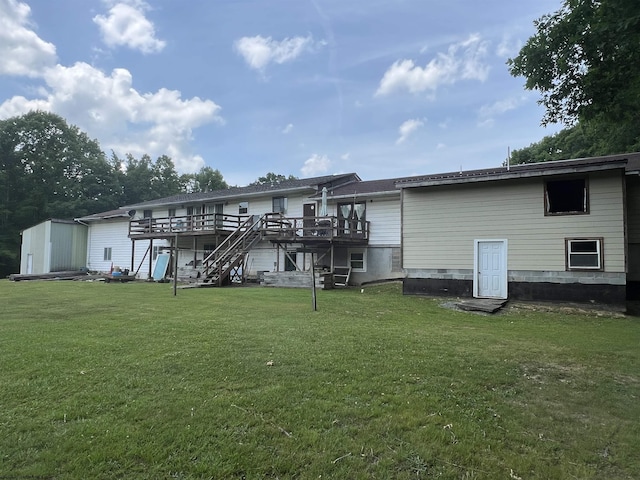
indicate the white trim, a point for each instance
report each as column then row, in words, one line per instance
column 476, row 274
column 363, row 251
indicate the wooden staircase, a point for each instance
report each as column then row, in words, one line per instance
column 226, row 262
column 341, row 276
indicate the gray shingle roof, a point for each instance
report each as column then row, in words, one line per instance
column 525, row 170
column 314, row 183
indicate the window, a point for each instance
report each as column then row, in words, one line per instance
column 243, row 208
column 290, row 261
column 357, row 261
column 147, row 214
column 156, row 251
column 279, row 204
column 208, row 248
column 352, row 219
column 107, row 254
column 566, row 197
column 172, row 212
column 584, row 254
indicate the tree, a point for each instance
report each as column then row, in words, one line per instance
column 143, row 179
column 585, row 139
column 272, row 178
column 206, row 180
column 47, row 169
column 585, row 61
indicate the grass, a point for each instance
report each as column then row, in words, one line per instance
column 127, row 381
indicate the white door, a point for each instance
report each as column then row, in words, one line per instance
column 490, row 280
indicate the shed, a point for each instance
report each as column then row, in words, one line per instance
column 54, row 245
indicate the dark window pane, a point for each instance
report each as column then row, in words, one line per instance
column 566, row 196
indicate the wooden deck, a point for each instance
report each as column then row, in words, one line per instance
column 273, row 227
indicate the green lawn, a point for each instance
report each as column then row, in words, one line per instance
column 127, row 381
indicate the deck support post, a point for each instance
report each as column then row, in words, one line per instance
column 175, row 265
column 314, row 302
column 150, row 259
column 133, row 255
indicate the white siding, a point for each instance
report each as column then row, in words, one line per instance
column 440, row 224
column 114, row 234
column 384, row 221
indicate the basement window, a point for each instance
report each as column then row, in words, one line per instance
column 357, row 261
column 566, row 197
column 584, row 254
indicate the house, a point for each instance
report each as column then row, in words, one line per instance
column 259, row 230
column 53, row 246
column 564, row 230
column 378, row 203
column 108, row 243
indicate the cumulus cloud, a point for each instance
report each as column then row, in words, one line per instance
column 462, row 61
column 316, row 165
column 22, row 52
column 126, row 25
column 508, row 47
column 487, row 113
column 287, row 129
column 407, row 128
column 107, row 107
column 260, row 51
column 104, row 105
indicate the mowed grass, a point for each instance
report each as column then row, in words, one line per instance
column 127, row 381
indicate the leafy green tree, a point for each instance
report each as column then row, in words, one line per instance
column 585, row 139
column 143, row 179
column 585, row 61
column 272, row 178
column 47, row 169
column 205, row 180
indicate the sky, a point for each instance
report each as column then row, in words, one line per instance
column 383, row 88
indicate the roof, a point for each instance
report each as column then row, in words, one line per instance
column 118, row 213
column 541, row 169
column 386, row 186
column 284, row 186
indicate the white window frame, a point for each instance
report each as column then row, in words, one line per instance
column 107, row 253
column 279, row 209
column 243, row 208
column 570, row 253
column 361, row 251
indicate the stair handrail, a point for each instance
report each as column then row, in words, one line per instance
column 236, row 237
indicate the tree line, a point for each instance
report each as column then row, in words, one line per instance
column 50, row 169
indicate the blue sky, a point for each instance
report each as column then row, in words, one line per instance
column 384, row 88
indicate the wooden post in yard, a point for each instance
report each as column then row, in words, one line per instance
column 313, row 285
column 175, row 266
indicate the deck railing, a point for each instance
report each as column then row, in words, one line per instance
column 273, row 225
column 200, row 223
column 320, row 228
